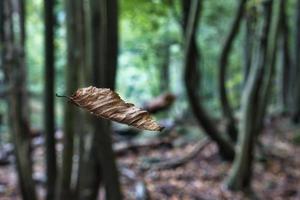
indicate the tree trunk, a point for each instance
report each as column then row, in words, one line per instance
column 271, row 63
column 241, row 172
column 74, row 63
column 285, row 82
column 49, row 116
column 191, row 63
column 223, row 62
column 87, row 185
column 15, row 75
column 101, row 50
column 104, row 35
column 296, row 71
column 250, row 22
column 2, row 38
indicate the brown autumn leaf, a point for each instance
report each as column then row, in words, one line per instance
column 107, row 104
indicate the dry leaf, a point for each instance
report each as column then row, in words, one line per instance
column 105, row 103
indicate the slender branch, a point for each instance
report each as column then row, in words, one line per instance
column 223, row 63
column 62, row 96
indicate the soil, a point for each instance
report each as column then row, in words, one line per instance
column 276, row 171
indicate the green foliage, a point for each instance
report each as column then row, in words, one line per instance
column 145, row 26
column 34, row 45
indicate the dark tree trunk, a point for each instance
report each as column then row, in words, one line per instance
column 87, row 185
column 74, row 63
column 223, row 62
column 51, row 166
column 271, row 69
column 226, row 149
column 285, row 82
column 104, row 36
column 2, row 38
column 296, row 69
column 253, row 106
column 101, row 50
column 15, row 74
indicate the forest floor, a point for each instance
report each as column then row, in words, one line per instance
column 276, row 175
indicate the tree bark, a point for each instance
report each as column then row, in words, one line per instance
column 15, row 74
column 223, row 62
column 250, row 23
column 2, row 38
column 191, row 63
column 74, row 63
column 49, row 116
column 285, row 82
column 296, row 69
column 271, row 69
column 241, row 172
column 104, row 35
column 87, row 185
column 96, row 154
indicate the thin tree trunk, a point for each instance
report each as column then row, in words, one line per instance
column 296, row 71
column 285, row 91
column 51, row 164
column 271, row 63
column 74, row 63
column 104, row 34
column 241, row 172
column 250, row 22
column 2, row 38
column 191, row 63
column 87, row 185
column 15, row 75
column 223, row 62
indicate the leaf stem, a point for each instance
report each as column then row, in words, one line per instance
column 62, row 96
